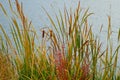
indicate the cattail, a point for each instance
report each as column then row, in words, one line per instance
column 51, row 33
column 43, row 34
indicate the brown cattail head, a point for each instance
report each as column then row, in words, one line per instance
column 51, row 33
column 43, row 33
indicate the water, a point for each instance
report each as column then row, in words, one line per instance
column 101, row 9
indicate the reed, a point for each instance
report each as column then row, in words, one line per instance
column 74, row 51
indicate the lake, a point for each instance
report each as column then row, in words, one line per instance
column 101, row 9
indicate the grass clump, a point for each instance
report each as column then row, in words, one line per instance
column 74, row 51
column 7, row 72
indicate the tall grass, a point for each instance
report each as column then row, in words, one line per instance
column 74, row 51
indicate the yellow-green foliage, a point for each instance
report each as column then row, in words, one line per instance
column 74, row 52
column 7, row 70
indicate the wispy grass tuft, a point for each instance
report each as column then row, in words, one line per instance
column 74, row 53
